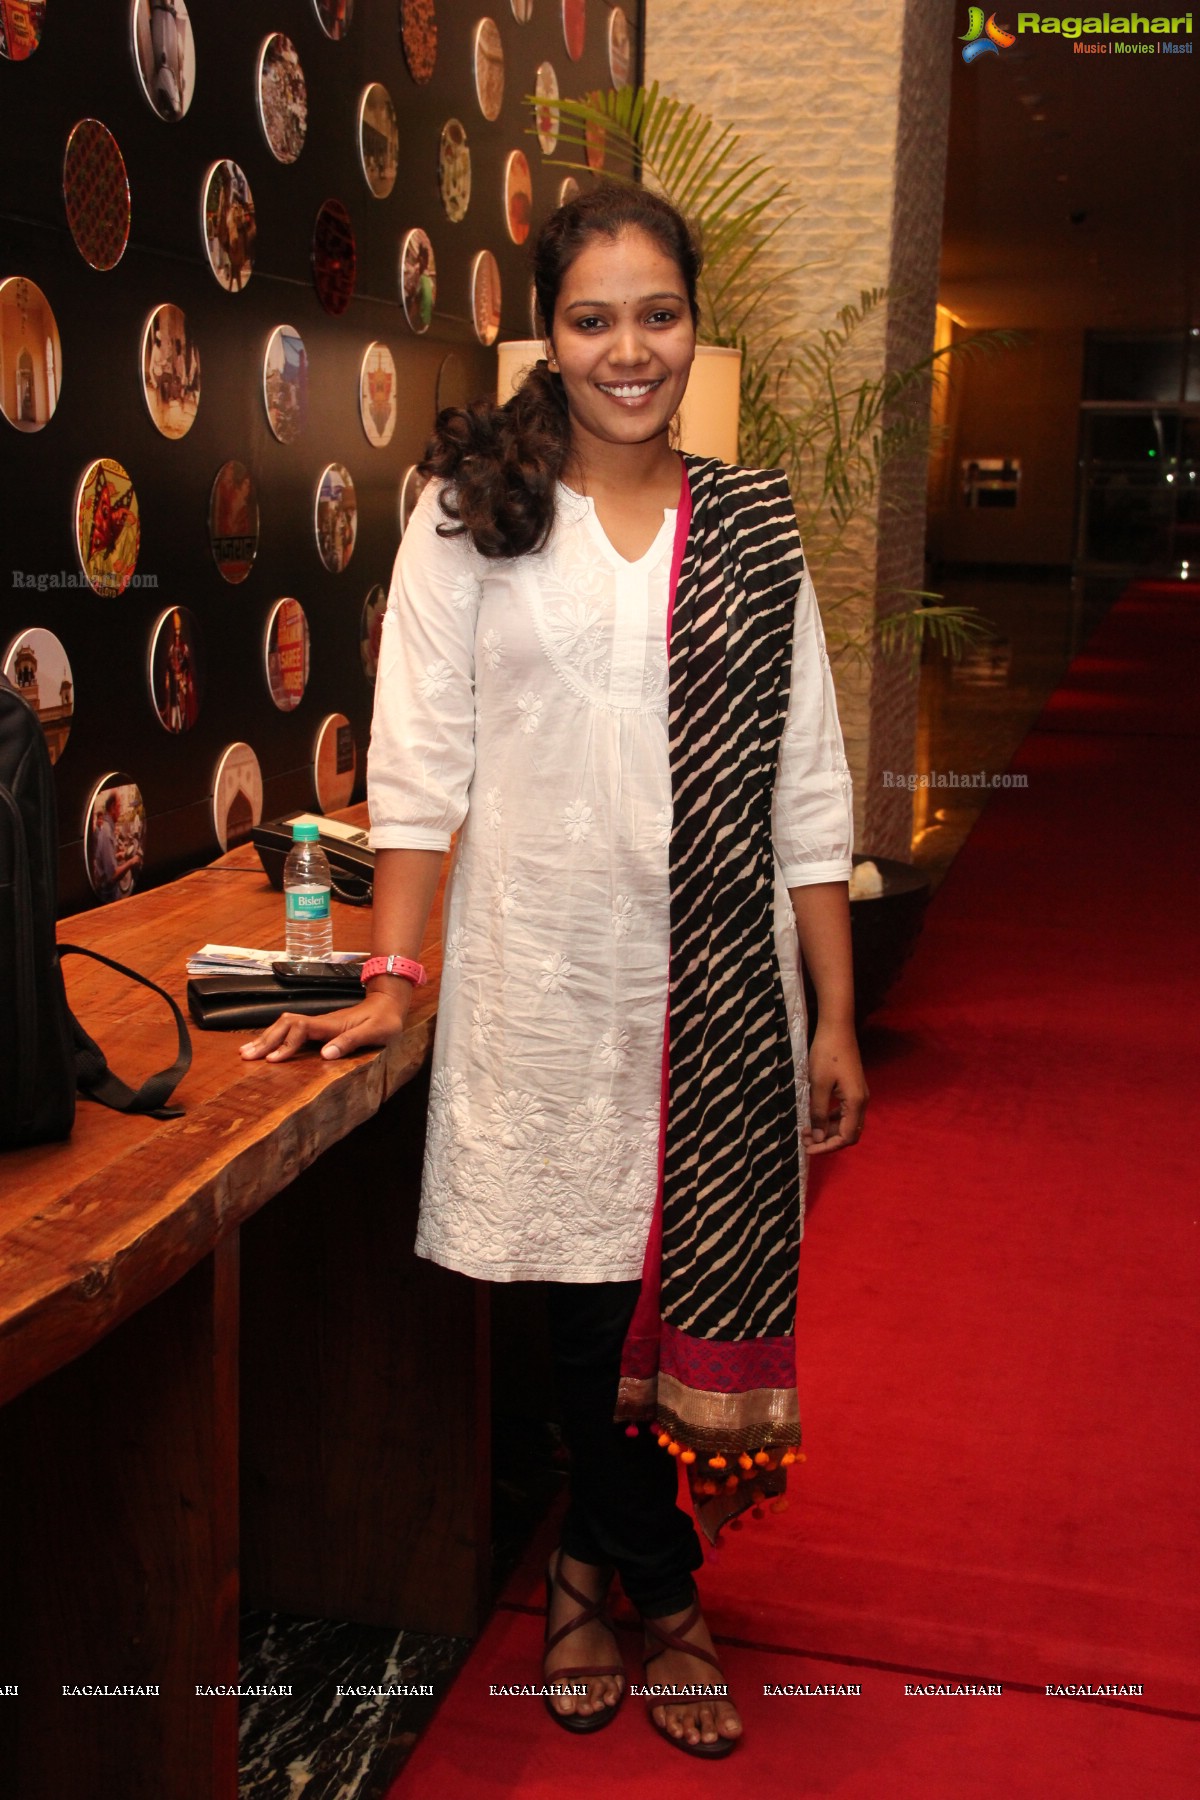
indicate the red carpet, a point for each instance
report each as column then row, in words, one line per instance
column 998, row 1357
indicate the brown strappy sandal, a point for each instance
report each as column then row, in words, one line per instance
column 579, row 1723
column 678, row 1640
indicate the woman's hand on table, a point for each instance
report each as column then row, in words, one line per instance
column 371, row 1022
column 838, row 1092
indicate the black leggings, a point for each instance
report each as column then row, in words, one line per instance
column 623, row 1509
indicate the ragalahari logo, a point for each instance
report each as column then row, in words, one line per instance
column 983, row 38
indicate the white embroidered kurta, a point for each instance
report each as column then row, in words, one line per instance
column 525, row 702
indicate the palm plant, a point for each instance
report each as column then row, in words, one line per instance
column 802, row 407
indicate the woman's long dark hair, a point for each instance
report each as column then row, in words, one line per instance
column 501, row 463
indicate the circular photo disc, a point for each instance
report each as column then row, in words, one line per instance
column 595, row 138
column 39, row 668
column 114, row 837
column 377, row 395
column 170, row 371
column 286, row 650
column 620, row 48
column 518, row 196
column 412, row 486
column 233, row 521
column 237, row 802
column 335, row 763
column 30, row 354
column 574, row 24
column 418, row 38
column 546, row 89
column 285, row 383
column 96, row 193
column 378, row 140
column 334, row 257
column 485, row 297
column 335, row 17
column 522, row 11
column 176, row 669
column 418, row 279
column 335, row 517
column 282, row 97
column 164, row 54
column 454, row 170
column 108, row 528
column 228, row 226
column 568, row 190
column 370, row 630
column 21, row 24
column 488, row 53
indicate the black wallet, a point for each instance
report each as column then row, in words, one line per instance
column 251, row 1002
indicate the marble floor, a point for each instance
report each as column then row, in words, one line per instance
column 323, row 1747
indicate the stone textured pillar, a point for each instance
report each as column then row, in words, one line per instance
column 851, row 106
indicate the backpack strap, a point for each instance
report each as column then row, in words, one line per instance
column 93, row 1076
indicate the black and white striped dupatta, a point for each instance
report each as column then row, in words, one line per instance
column 710, row 1356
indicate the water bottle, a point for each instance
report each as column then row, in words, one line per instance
column 306, row 889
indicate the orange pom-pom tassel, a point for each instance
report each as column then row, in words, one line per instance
column 756, row 1512
column 687, row 1456
column 745, row 1462
column 788, row 1458
column 761, row 1458
column 731, row 1484
column 672, row 1447
column 663, row 1439
column 780, row 1505
column 631, row 1431
column 716, row 1462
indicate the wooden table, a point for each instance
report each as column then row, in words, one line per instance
column 211, row 1402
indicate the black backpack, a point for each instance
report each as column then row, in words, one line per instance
column 45, row 1054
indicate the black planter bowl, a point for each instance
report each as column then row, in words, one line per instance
column 883, row 929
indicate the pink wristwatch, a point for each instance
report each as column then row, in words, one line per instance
column 395, row 965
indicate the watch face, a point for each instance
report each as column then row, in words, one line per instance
column 546, row 89
column 170, row 371
column 336, row 518
column 378, row 140
column 334, row 16
column 32, row 352
column 21, row 25
column 418, row 280
column 489, row 68
column 574, row 24
column 370, row 631
column 334, row 257
column 96, row 192
column 176, row 669
column 108, row 527
column 164, row 53
column 620, row 49
column 282, row 97
column 114, row 835
column 229, row 225
column 233, row 521
column 412, row 485
column 237, row 802
column 485, row 297
column 287, row 654
column 418, row 38
column 39, row 668
column 377, row 395
column 335, row 763
column 285, row 383
column 454, row 170
column 518, row 196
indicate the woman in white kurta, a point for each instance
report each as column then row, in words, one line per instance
column 525, row 702
column 522, row 702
